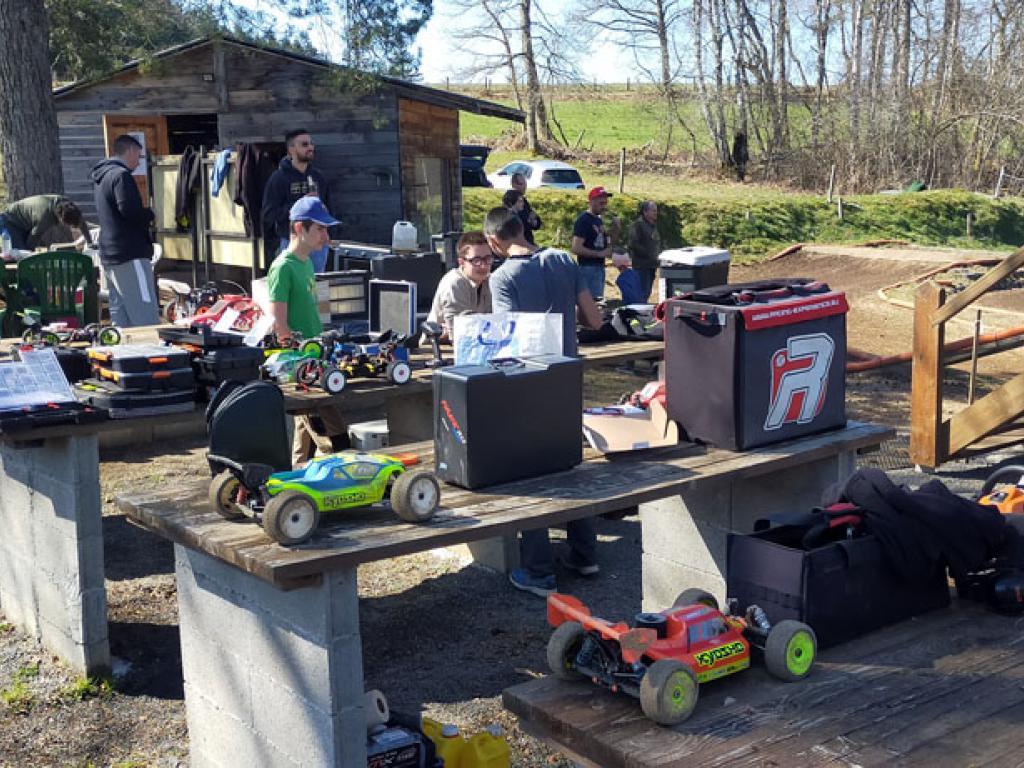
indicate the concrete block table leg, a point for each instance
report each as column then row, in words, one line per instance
column 51, row 548
column 685, row 537
column 271, row 677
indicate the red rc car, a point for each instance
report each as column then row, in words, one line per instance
column 665, row 657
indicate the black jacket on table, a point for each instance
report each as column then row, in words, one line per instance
column 124, row 222
column 285, row 187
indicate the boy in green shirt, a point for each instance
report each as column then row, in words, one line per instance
column 291, row 281
column 291, row 284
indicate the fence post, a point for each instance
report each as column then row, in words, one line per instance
column 999, row 181
column 839, row 206
column 970, row 225
column 622, row 168
column 831, row 183
column 926, row 378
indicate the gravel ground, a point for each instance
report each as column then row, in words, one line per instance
column 441, row 635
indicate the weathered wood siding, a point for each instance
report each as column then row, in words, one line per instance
column 429, row 131
column 258, row 96
column 81, row 147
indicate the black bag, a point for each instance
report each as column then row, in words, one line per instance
column 247, row 425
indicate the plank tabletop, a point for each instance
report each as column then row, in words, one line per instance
column 600, row 484
column 943, row 689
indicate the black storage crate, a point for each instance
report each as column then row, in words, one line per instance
column 228, row 363
column 843, row 589
column 31, row 417
column 202, row 336
column 151, row 381
column 508, row 420
column 759, row 363
column 123, row 404
column 140, row 358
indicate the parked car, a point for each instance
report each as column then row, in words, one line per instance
column 538, row 173
column 472, row 158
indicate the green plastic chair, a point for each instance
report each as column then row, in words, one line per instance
column 47, row 284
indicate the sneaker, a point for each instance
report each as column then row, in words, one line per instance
column 542, row 586
column 573, row 563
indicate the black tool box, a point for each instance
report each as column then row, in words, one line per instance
column 842, row 589
column 756, row 363
column 72, row 360
column 508, row 419
column 124, row 404
column 140, row 358
column 34, row 393
column 32, row 417
column 202, row 336
column 228, row 363
column 149, row 381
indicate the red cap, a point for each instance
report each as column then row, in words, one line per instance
column 597, row 192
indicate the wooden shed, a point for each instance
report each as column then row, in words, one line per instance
column 389, row 148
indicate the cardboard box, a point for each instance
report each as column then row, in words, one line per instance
column 627, row 428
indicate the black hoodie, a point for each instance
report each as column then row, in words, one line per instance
column 284, row 187
column 124, row 222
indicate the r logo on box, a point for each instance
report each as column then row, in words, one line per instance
column 799, row 379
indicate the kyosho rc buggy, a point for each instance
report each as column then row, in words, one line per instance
column 289, row 503
column 59, row 333
column 665, row 656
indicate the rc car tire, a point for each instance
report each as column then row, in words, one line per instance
column 30, row 335
column 290, row 517
column 563, row 645
column 109, row 336
column 668, row 692
column 695, row 597
column 313, row 348
column 398, row 372
column 307, row 372
column 332, row 380
column 223, row 491
column 415, row 495
column 790, row 650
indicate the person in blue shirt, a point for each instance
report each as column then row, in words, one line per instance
column 628, row 282
column 542, row 280
column 592, row 241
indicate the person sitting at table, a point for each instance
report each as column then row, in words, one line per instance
column 291, row 286
column 465, row 289
column 543, row 280
column 40, row 221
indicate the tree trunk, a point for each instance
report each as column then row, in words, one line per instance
column 536, row 114
column 28, row 121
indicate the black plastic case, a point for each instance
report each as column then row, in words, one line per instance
column 236, row 363
column 139, row 358
column 122, row 404
column 153, row 381
column 200, row 336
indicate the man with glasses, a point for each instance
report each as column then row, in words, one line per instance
column 465, row 289
column 294, row 178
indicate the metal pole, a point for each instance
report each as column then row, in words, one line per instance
column 974, row 358
column 999, row 181
column 831, row 183
column 622, row 168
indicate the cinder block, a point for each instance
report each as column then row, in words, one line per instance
column 797, row 489
column 306, row 611
column 219, row 740
column 75, row 509
column 304, row 732
column 209, row 609
column 344, row 603
column 668, row 524
column 16, row 592
column 346, row 673
column 500, row 554
column 663, row 580
column 292, row 663
column 216, row 671
column 350, row 737
column 16, row 515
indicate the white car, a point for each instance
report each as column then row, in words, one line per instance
column 538, row 173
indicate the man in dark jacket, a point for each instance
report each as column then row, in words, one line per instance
column 531, row 221
column 645, row 245
column 295, row 177
column 42, row 220
column 126, row 248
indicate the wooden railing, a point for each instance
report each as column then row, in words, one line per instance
column 986, row 424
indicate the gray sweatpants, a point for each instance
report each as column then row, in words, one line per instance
column 133, row 296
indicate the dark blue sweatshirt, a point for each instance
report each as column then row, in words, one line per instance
column 124, row 222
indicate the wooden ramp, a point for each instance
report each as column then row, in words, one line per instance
column 945, row 689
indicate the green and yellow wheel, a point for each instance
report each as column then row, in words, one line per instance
column 790, row 650
column 668, row 692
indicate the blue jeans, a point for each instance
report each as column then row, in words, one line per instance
column 646, row 282
column 319, row 258
column 593, row 278
column 535, row 547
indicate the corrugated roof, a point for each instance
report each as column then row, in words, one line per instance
column 406, row 89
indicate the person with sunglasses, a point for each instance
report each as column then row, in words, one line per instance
column 465, row 289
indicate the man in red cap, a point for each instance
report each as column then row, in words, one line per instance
column 592, row 243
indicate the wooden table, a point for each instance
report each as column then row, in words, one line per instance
column 941, row 690
column 233, row 580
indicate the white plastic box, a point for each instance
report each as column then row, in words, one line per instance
column 369, row 435
column 689, row 269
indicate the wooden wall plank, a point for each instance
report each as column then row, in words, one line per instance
column 926, row 382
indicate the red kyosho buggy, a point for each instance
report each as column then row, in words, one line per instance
column 665, row 656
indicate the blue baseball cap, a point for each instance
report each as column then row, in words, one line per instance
column 311, row 209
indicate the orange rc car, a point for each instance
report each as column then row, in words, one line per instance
column 665, row 656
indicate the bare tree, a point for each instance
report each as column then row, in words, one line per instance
column 28, row 121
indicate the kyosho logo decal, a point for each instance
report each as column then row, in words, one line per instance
column 708, row 658
column 799, row 379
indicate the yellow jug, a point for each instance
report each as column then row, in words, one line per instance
column 448, row 742
column 487, row 749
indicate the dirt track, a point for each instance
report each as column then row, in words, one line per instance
column 439, row 634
